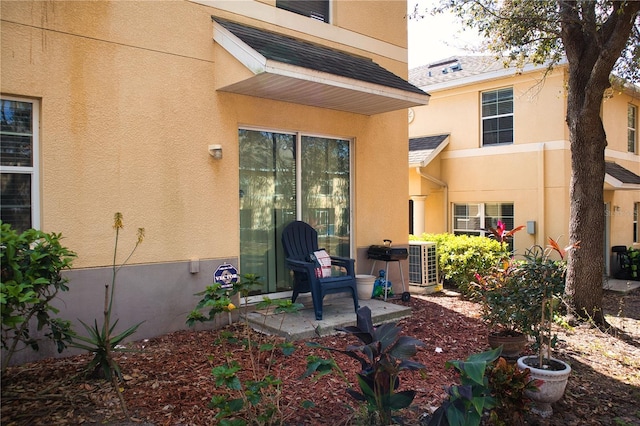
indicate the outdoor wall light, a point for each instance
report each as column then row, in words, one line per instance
column 215, row 151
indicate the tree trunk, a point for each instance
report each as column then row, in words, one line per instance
column 591, row 53
column 586, row 265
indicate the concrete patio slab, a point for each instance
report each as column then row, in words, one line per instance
column 622, row 286
column 337, row 312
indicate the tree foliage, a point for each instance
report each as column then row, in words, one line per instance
column 600, row 41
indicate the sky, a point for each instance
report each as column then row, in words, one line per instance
column 437, row 37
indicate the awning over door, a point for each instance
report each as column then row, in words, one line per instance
column 293, row 70
column 617, row 177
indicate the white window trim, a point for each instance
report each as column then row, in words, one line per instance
column 512, row 114
column 634, row 129
column 481, row 216
column 34, row 171
column 636, row 214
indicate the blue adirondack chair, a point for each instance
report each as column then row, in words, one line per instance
column 299, row 241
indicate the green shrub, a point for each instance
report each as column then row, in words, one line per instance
column 32, row 263
column 383, row 354
column 255, row 401
column 491, row 391
column 460, row 257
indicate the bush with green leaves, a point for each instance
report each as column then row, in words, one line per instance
column 542, row 280
column 460, row 257
column 255, row 401
column 31, row 266
column 504, row 303
column 383, row 354
column 508, row 385
column 490, row 389
column 468, row 401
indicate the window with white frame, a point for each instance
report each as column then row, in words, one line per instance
column 632, row 126
column 497, row 117
column 316, row 9
column 19, row 162
column 636, row 231
column 476, row 219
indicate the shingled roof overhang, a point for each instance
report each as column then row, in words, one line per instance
column 293, row 70
column 424, row 149
column 617, row 177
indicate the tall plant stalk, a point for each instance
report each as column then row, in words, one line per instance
column 101, row 341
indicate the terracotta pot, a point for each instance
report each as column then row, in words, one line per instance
column 554, row 380
column 512, row 342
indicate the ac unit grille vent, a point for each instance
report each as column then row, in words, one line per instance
column 423, row 263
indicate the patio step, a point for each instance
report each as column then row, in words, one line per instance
column 337, row 312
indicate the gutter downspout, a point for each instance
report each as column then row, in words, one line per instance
column 446, row 194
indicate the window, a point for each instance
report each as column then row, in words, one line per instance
column 18, row 163
column 632, row 126
column 476, row 219
column 636, row 237
column 316, row 9
column 497, row 117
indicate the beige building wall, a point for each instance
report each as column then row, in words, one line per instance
column 533, row 173
column 129, row 104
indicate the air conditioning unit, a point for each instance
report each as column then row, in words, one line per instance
column 423, row 265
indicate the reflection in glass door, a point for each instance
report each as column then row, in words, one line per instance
column 267, row 203
column 272, row 194
column 325, row 191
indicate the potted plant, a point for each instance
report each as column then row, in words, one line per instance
column 502, row 299
column 543, row 279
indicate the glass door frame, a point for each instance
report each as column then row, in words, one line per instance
column 299, row 200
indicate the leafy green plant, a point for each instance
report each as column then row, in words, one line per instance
column 634, row 262
column 468, row 401
column 215, row 299
column 543, row 279
column 460, row 257
column 503, row 300
column 383, row 354
column 31, row 266
column 254, row 401
column 101, row 340
column 508, row 385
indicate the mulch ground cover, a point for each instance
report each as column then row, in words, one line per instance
column 169, row 381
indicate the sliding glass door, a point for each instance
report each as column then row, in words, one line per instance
column 284, row 177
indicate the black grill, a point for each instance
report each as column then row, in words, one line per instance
column 386, row 253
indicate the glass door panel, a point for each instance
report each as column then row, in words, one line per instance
column 267, row 204
column 325, row 191
column 272, row 194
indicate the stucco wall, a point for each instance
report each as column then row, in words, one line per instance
column 129, row 105
column 534, row 172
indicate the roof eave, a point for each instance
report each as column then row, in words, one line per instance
column 313, row 88
column 483, row 77
column 611, row 183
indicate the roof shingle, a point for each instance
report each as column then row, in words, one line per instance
column 294, row 51
column 621, row 174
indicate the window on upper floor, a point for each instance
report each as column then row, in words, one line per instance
column 18, row 163
column 316, row 9
column 632, row 128
column 497, row 117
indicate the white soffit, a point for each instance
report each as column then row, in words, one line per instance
column 611, row 183
column 289, row 83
